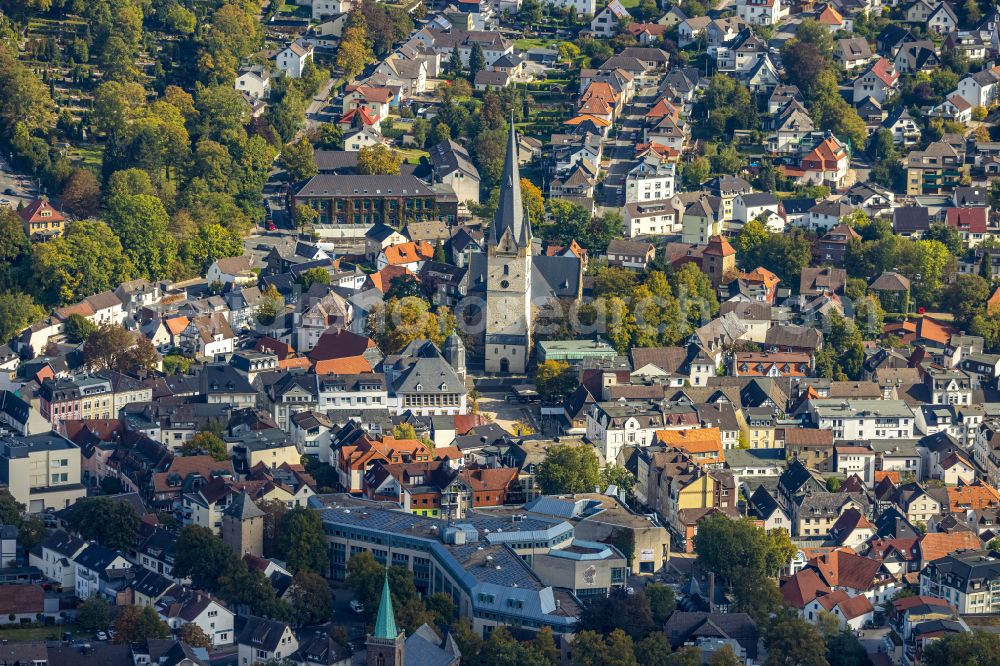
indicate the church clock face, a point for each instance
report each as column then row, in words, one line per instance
column 504, row 284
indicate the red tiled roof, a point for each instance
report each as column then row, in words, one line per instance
column 803, row 587
column 405, row 253
column 968, row 220
column 935, row 545
column 33, row 212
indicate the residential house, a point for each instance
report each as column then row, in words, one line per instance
column 292, row 59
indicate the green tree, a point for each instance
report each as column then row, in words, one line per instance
column 569, row 469
column 662, row 602
column 616, row 475
column 136, row 624
column 401, row 321
column 696, row 296
column 314, row 276
column 93, row 614
column 310, row 598
column 966, row 297
column 87, row 260
column 975, row 647
column 947, row 235
column 555, row 380
column 203, row 557
column 78, row 328
column 476, row 60
column 17, row 312
column 791, row 641
column 297, row 158
column 806, row 62
column 111, row 523
column 844, row 649
column 206, row 443
column 870, row 317
column 736, row 549
column 273, row 303
column 140, row 221
column 653, row 650
column 695, row 172
column 302, row 542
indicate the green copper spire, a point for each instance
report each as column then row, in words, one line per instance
column 385, row 624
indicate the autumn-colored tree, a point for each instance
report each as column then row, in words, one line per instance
column 82, row 193
column 534, row 202
column 378, row 160
column 355, row 50
column 194, row 636
column 135, row 624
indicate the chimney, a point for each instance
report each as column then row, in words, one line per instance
column 711, row 592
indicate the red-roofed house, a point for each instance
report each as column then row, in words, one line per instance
column 361, row 117
column 970, row 222
column 954, row 108
column 376, row 100
column 647, row 33
column 877, row 82
column 852, row 612
column 42, row 221
column 410, row 255
column 826, row 164
column 852, row 529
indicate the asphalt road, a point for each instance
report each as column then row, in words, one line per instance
column 14, row 187
column 317, row 112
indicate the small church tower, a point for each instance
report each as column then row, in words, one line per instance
column 385, row 644
column 508, row 275
column 243, row 526
column 453, row 351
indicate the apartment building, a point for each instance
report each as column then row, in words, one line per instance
column 41, row 471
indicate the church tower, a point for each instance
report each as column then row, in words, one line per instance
column 385, row 644
column 508, row 275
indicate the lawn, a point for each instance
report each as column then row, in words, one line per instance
column 36, row 632
column 295, row 10
column 526, row 43
column 629, row 4
column 87, row 156
column 411, row 155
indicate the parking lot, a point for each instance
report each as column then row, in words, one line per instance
column 506, row 414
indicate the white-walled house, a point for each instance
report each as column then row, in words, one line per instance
column 254, row 81
column 650, row 180
column 863, row 419
column 263, row 640
column 96, row 568
column 202, row 610
column 760, row 12
column 748, row 207
column 293, row 58
column 981, row 88
column 54, row 558
column 606, row 22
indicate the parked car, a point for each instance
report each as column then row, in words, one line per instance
column 357, row 606
column 101, row 636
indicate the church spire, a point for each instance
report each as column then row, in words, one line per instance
column 510, row 210
column 385, row 623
